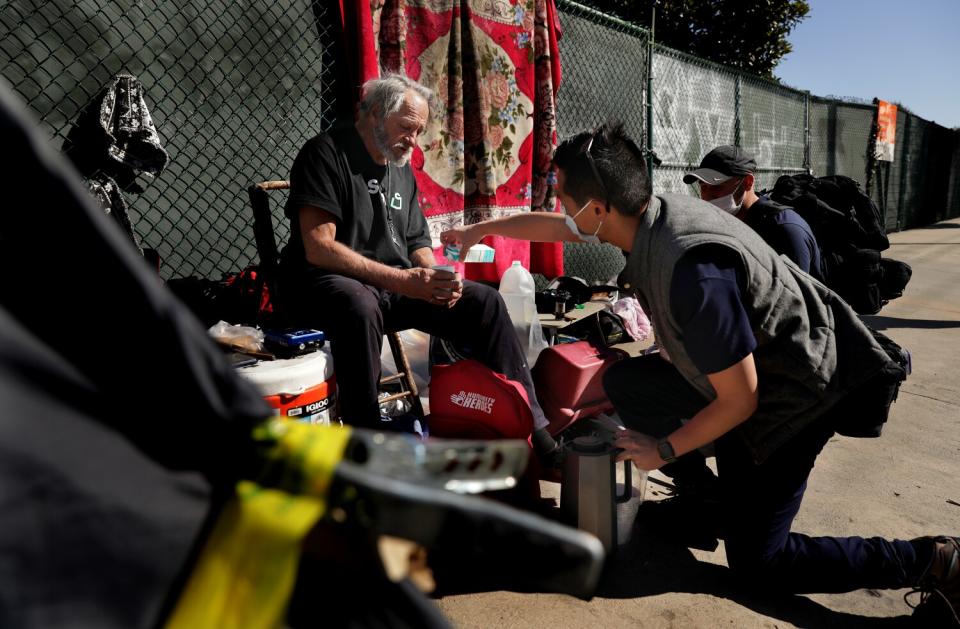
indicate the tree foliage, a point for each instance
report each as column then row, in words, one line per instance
column 748, row 35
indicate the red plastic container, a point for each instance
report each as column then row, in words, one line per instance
column 569, row 382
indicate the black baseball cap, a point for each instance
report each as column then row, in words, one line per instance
column 721, row 164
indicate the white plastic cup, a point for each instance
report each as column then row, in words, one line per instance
column 452, row 252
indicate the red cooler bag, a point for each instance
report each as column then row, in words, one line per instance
column 569, row 382
column 471, row 401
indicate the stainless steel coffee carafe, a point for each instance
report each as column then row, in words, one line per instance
column 589, row 494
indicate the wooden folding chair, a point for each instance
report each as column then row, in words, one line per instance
column 265, row 236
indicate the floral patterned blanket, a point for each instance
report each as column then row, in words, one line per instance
column 494, row 67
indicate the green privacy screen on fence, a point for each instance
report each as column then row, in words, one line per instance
column 234, row 89
column 697, row 105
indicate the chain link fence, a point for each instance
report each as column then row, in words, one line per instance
column 236, row 88
column 590, row 41
column 953, row 186
column 840, row 135
column 926, row 191
column 694, row 105
column 592, row 90
column 772, row 120
column 233, row 88
column 697, row 105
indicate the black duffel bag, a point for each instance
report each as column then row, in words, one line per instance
column 864, row 411
column 894, row 276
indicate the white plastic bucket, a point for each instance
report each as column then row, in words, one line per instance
column 302, row 388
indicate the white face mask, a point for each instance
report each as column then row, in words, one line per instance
column 572, row 225
column 728, row 203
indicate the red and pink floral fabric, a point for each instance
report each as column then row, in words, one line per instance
column 494, row 67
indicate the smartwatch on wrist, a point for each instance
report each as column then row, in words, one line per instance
column 665, row 450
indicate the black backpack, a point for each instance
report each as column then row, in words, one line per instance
column 836, row 208
column 864, row 411
column 894, row 276
column 849, row 230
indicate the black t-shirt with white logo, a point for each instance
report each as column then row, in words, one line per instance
column 376, row 206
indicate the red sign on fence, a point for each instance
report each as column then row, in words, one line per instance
column 886, row 130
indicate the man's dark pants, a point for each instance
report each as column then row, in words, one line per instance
column 759, row 502
column 355, row 317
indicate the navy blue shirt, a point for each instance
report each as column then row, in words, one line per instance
column 705, row 302
column 787, row 233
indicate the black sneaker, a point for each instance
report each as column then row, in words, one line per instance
column 683, row 520
column 939, row 587
column 705, row 488
column 551, row 463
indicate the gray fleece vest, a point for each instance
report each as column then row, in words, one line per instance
column 811, row 347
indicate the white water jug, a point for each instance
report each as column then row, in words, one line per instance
column 518, row 291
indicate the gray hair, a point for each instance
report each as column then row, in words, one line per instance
column 386, row 94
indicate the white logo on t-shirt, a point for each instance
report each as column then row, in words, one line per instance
column 373, row 186
column 473, row 400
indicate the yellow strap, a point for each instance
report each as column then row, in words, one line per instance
column 246, row 571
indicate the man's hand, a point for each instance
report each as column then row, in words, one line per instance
column 449, row 298
column 639, row 448
column 463, row 236
column 441, row 288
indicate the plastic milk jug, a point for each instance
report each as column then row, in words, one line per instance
column 519, row 294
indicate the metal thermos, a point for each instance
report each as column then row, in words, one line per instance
column 588, row 492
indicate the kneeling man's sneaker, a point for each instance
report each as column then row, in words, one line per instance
column 939, row 587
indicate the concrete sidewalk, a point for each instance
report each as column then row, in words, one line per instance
column 903, row 485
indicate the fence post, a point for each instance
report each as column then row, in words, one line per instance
column 831, row 138
column 871, row 156
column 806, row 133
column 736, row 110
column 904, row 165
column 653, row 25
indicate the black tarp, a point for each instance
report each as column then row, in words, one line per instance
column 118, row 412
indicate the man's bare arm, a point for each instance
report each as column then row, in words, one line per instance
column 533, row 226
column 737, row 399
column 423, row 257
column 319, row 229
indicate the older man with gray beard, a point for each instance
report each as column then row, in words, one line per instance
column 359, row 259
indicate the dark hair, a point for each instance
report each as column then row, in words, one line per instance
column 624, row 181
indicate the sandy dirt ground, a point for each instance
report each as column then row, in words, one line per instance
column 904, row 484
